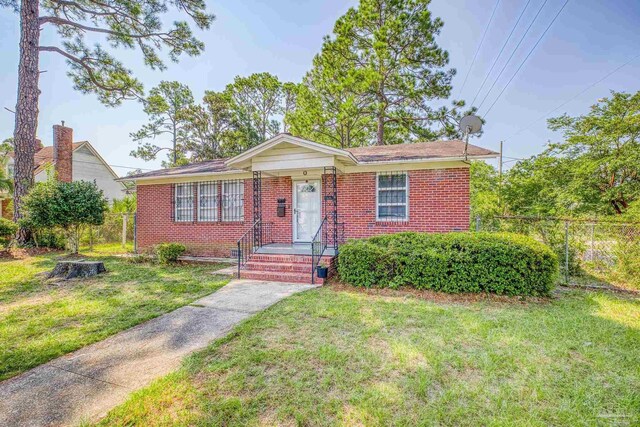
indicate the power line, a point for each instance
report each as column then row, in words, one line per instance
column 513, row 53
column 495, row 61
column 479, row 46
column 575, row 96
column 98, row 164
column 528, row 55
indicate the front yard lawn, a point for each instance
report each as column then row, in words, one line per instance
column 340, row 357
column 41, row 320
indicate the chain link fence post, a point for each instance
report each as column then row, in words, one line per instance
column 135, row 232
column 478, row 222
column 566, row 252
column 125, row 218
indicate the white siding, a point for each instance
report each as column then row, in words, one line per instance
column 87, row 167
column 289, row 156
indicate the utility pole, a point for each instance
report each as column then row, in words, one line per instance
column 500, row 164
column 500, row 179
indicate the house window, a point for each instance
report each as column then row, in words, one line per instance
column 184, row 202
column 233, row 200
column 208, row 201
column 392, row 196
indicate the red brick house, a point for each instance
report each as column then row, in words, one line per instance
column 283, row 205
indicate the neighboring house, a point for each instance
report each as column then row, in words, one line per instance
column 70, row 161
column 279, row 203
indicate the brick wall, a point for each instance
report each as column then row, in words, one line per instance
column 438, row 201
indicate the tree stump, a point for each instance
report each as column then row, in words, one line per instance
column 78, row 268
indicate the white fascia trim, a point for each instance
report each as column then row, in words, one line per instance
column 429, row 160
column 185, row 175
column 294, row 140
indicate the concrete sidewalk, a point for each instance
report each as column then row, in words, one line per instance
column 86, row 384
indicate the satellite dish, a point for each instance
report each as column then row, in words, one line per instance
column 470, row 124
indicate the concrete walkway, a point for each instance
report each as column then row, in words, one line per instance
column 86, row 384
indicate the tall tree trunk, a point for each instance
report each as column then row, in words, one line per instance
column 26, row 109
column 380, row 132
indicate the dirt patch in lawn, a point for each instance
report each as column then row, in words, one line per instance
column 24, row 253
column 440, row 297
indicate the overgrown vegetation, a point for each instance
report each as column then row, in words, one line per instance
column 42, row 319
column 65, row 206
column 453, row 262
column 327, row 358
column 7, row 229
column 168, row 253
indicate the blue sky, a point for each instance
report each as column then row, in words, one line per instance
column 589, row 39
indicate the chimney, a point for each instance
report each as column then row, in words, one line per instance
column 39, row 145
column 62, row 152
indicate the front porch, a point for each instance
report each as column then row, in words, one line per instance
column 292, row 249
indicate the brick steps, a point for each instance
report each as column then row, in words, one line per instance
column 279, row 276
column 281, row 268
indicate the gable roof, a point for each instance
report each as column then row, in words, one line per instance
column 290, row 139
column 453, row 150
column 44, row 157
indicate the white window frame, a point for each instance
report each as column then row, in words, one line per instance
column 216, row 201
column 241, row 184
column 406, row 200
column 176, row 210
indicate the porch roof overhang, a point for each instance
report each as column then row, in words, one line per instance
column 287, row 152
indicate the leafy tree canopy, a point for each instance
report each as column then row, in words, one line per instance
column 602, row 150
column 168, row 106
column 384, row 62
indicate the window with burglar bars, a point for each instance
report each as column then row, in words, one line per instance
column 216, row 201
column 184, row 202
column 392, row 190
column 233, row 200
column 208, row 201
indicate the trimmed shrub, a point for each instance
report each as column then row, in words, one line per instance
column 168, row 253
column 501, row 263
column 7, row 229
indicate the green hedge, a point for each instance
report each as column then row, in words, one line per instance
column 501, row 263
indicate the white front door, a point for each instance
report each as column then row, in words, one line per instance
column 306, row 209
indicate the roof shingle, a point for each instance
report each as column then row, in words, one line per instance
column 372, row 154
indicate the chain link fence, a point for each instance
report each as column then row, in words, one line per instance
column 118, row 229
column 591, row 252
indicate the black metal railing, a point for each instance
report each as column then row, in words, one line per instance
column 319, row 244
column 260, row 234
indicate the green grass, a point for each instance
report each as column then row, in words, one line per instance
column 43, row 319
column 330, row 357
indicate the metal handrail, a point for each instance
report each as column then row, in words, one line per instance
column 318, row 246
column 256, row 236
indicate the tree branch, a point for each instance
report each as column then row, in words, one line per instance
column 86, row 67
